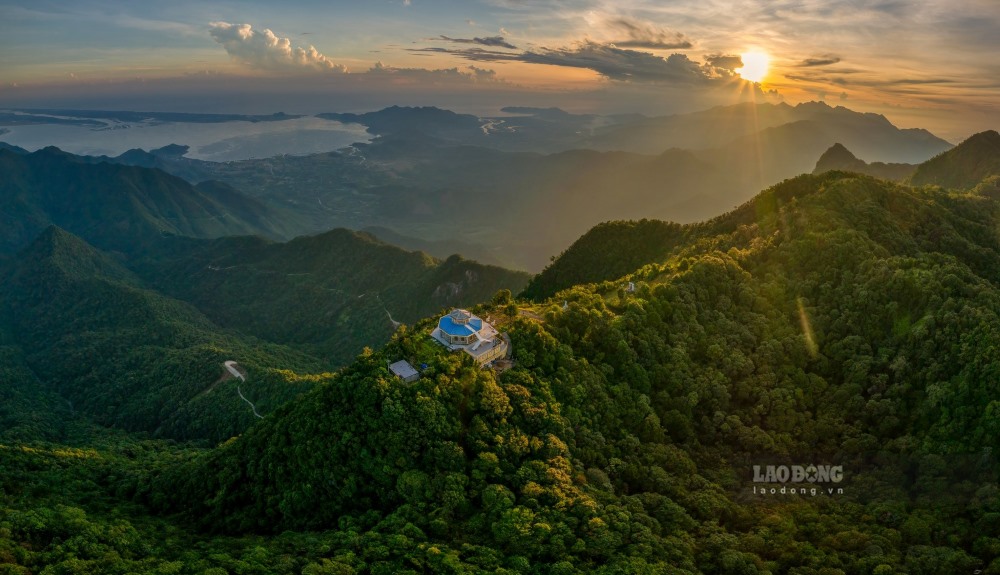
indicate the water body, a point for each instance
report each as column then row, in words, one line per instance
column 218, row 142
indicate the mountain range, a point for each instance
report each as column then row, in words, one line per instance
column 529, row 167
column 116, row 206
column 127, row 267
column 830, row 316
column 833, row 321
column 972, row 163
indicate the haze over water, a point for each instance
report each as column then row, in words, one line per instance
column 220, row 142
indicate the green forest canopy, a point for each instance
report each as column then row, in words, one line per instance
column 834, row 319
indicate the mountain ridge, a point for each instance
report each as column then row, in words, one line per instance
column 964, row 166
column 114, row 206
column 838, row 157
column 833, row 319
column 647, row 409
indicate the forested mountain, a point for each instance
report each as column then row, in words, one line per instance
column 330, row 294
column 162, row 335
column 964, row 166
column 609, row 250
column 162, row 308
column 115, row 206
column 840, row 158
column 833, row 319
column 170, row 159
column 67, row 304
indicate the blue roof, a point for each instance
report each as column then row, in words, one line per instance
column 449, row 326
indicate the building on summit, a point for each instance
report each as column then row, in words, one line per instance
column 403, row 370
column 461, row 330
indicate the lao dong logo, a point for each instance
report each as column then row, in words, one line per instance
column 793, row 479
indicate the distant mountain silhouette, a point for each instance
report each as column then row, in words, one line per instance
column 840, row 158
column 402, row 120
column 12, row 148
column 740, row 125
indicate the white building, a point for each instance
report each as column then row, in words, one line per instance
column 403, row 370
column 470, row 333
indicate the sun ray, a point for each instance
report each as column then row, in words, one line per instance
column 807, row 330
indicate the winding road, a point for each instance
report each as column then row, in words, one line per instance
column 231, row 366
column 395, row 324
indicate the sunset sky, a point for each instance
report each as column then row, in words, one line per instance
column 922, row 63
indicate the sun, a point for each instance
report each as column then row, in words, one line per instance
column 755, row 66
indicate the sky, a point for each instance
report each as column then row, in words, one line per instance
column 923, row 63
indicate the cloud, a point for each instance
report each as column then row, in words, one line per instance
column 608, row 60
column 840, row 81
column 491, row 41
column 645, row 35
column 873, row 80
column 824, row 60
column 472, row 54
column 262, row 49
column 725, row 61
column 621, row 64
column 484, row 74
column 468, row 75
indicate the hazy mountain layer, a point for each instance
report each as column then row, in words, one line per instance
column 114, row 206
column 840, row 158
column 523, row 206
